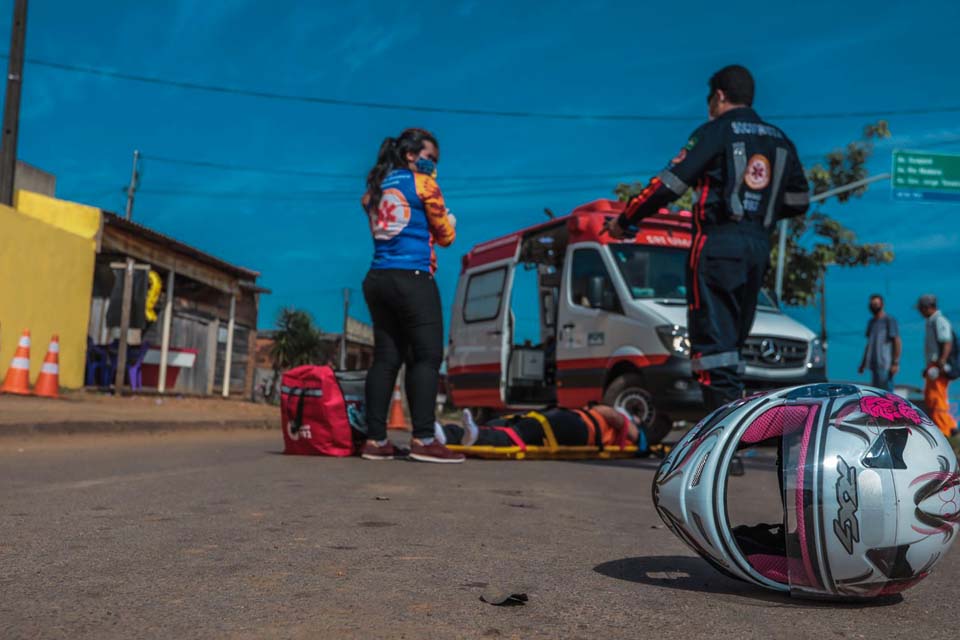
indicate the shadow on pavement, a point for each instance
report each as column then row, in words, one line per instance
column 754, row 463
column 694, row 574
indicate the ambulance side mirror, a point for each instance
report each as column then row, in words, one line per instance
column 601, row 295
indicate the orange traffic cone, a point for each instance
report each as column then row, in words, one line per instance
column 18, row 375
column 48, row 384
column 397, row 420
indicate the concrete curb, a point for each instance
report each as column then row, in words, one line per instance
column 144, row 426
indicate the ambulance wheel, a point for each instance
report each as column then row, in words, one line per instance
column 627, row 392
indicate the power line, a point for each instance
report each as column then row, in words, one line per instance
column 271, row 95
column 248, row 168
column 456, row 192
column 289, row 97
column 354, row 176
column 641, row 173
column 314, row 195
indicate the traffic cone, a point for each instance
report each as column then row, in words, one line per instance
column 396, row 419
column 18, row 375
column 48, row 384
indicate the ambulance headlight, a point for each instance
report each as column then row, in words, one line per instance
column 818, row 355
column 675, row 340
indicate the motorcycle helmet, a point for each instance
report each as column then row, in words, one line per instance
column 870, row 492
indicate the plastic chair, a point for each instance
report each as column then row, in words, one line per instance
column 135, row 369
column 98, row 362
column 134, row 363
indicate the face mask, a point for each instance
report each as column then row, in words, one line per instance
column 427, row 166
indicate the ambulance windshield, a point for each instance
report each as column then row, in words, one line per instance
column 652, row 272
column 660, row 273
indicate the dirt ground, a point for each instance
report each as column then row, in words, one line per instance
column 99, row 408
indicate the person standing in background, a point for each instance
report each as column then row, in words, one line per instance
column 407, row 216
column 937, row 350
column 882, row 353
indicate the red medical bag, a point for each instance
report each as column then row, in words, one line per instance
column 313, row 413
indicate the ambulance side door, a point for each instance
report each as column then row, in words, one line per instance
column 588, row 307
column 479, row 336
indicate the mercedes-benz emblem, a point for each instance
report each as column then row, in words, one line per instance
column 769, row 351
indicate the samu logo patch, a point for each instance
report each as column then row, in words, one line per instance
column 757, row 175
column 392, row 216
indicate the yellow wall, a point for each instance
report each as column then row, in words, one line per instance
column 79, row 219
column 47, row 255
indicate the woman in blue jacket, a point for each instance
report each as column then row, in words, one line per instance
column 407, row 217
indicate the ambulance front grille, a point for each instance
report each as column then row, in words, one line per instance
column 774, row 353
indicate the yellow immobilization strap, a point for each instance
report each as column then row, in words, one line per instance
column 548, row 434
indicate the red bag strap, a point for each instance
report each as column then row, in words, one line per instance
column 513, row 436
column 298, row 392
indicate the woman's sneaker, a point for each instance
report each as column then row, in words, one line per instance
column 434, row 452
column 373, row 451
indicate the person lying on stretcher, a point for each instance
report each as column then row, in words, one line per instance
column 570, row 427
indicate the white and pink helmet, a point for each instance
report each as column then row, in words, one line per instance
column 870, row 488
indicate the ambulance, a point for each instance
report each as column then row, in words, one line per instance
column 611, row 318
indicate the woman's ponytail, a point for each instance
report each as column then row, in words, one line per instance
column 386, row 160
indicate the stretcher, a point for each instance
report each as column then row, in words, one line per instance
column 551, row 450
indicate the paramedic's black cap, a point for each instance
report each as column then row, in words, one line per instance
column 927, row 300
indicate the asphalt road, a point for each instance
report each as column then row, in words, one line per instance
column 216, row 535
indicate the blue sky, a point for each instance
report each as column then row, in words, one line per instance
column 567, row 57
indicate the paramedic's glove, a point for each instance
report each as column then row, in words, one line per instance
column 453, row 219
column 613, row 229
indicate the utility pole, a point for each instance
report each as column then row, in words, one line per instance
column 343, row 339
column 127, row 287
column 132, row 188
column 823, row 310
column 11, row 106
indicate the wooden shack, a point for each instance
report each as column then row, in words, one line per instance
column 207, row 309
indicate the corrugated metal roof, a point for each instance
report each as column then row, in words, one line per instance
column 118, row 222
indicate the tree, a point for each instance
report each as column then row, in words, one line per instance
column 296, row 341
column 817, row 241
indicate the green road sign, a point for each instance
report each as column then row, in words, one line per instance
column 918, row 176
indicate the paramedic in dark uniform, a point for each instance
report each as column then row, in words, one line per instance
column 747, row 176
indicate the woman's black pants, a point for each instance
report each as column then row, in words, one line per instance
column 407, row 329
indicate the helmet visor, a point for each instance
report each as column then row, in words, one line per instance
column 838, row 492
